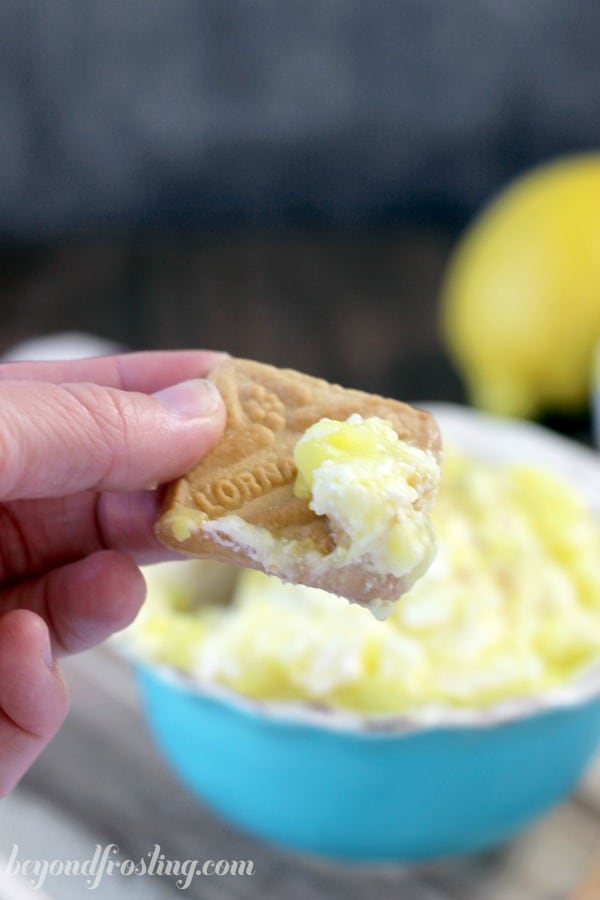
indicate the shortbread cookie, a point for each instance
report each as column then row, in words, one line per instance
column 245, row 504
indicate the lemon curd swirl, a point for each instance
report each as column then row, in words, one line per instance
column 510, row 607
column 375, row 489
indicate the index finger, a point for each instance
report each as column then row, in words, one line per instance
column 147, row 371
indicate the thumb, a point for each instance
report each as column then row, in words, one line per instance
column 61, row 439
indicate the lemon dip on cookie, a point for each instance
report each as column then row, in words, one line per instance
column 376, row 491
column 318, row 484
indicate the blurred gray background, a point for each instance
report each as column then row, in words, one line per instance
column 136, row 113
column 285, row 180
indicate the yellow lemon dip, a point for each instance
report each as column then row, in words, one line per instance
column 376, row 491
column 510, row 607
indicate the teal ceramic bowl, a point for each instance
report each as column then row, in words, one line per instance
column 313, row 785
column 367, row 789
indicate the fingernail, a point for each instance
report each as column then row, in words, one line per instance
column 191, row 399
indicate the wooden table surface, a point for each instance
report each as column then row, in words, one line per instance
column 102, row 781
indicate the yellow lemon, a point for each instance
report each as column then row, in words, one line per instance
column 521, row 296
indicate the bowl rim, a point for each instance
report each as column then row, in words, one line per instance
column 503, row 440
column 431, row 717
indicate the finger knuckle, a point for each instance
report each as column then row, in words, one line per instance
column 109, row 416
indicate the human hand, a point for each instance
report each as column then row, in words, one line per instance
column 80, row 444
